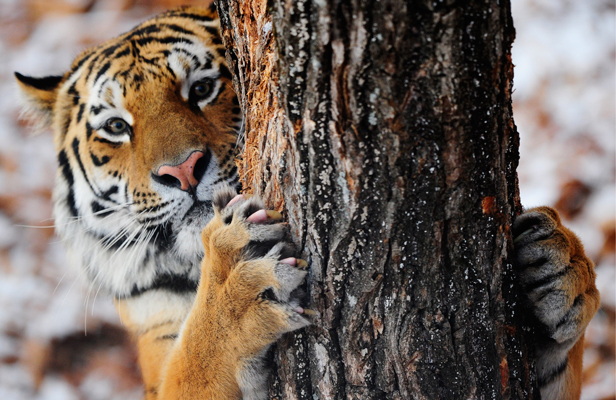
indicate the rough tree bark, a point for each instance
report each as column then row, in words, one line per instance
column 384, row 131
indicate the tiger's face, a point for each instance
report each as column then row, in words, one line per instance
column 146, row 127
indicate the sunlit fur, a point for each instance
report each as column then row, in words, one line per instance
column 202, row 330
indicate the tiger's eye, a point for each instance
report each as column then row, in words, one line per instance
column 117, row 126
column 201, row 89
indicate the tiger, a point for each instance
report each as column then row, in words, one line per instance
column 147, row 128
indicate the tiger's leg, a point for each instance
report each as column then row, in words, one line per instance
column 559, row 281
column 154, row 318
column 243, row 305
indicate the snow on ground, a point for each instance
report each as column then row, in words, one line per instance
column 564, row 108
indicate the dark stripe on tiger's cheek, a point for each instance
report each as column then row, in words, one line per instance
column 106, row 195
column 89, row 130
column 99, row 211
column 80, row 112
column 75, row 146
column 66, row 124
column 72, row 91
column 68, row 177
column 99, row 161
column 81, row 167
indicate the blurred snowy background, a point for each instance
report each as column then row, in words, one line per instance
column 564, row 108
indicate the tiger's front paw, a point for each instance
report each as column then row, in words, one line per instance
column 250, row 273
column 245, row 301
column 556, row 275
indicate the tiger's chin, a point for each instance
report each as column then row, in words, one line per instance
column 187, row 243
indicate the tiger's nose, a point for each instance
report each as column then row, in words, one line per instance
column 184, row 175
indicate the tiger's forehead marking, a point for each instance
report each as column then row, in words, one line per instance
column 147, row 60
column 169, row 46
column 102, row 78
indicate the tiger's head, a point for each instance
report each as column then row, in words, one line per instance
column 146, row 127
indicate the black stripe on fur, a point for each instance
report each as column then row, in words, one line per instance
column 75, row 146
column 68, row 177
column 173, row 283
column 545, row 281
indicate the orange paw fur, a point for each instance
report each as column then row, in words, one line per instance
column 244, row 303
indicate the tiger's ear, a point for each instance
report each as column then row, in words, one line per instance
column 39, row 96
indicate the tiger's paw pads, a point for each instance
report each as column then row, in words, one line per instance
column 554, row 273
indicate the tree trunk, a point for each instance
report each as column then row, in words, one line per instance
column 384, row 131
